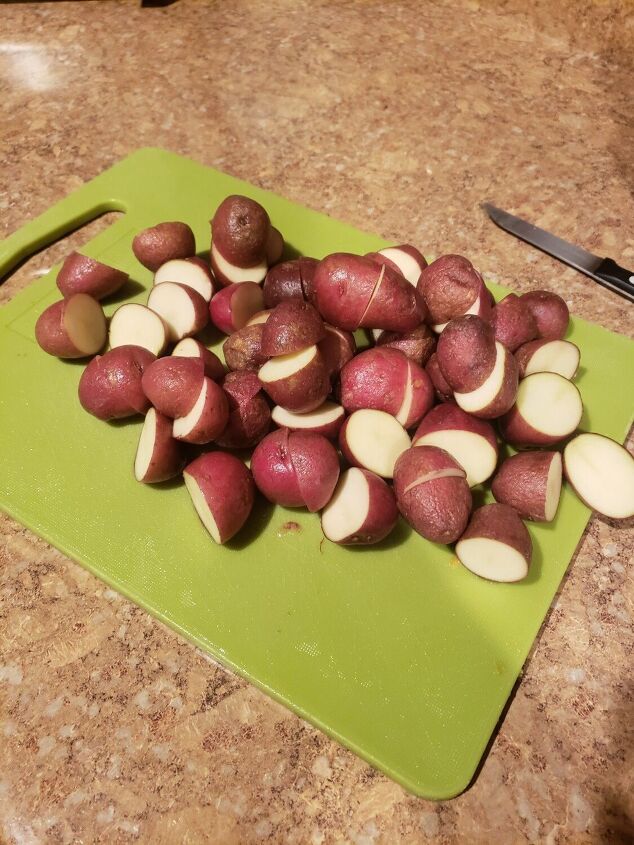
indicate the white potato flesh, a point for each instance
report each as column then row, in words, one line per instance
column 185, row 273
column 549, row 403
column 406, row 405
column 325, row 414
column 187, row 348
column 202, row 508
column 145, row 449
column 407, row 264
column 481, row 397
column 346, row 512
column 492, row 559
column 185, row 425
column 601, row 472
column 137, row 325
column 239, row 274
column 553, row 488
column 284, row 366
column 85, row 323
column 376, row 440
column 173, row 305
column 557, row 356
column 473, row 452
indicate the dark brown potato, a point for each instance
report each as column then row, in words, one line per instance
column 163, row 242
column 243, row 349
column 240, row 231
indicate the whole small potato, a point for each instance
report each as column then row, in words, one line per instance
column 243, row 349
column 164, row 242
column 292, row 326
column 110, row 387
column 418, row 344
column 449, row 286
column 466, row 352
column 550, row 312
column 513, row 322
column 240, row 231
column 249, row 412
column 80, row 274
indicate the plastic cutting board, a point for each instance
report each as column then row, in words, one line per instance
column 396, row 651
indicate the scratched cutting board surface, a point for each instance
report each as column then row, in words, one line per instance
column 396, row 651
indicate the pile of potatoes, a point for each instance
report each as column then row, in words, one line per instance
column 406, row 426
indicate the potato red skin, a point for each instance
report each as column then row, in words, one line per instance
column 172, row 384
column 337, row 348
column 283, row 282
column 466, row 352
column 243, row 349
column 110, row 386
column 343, row 285
column 292, row 326
column 500, row 522
column 213, row 419
column 449, row 286
column 375, row 379
column 274, row 246
column 418, row 344
column 228, row 489
column 80, row 274
column 513, row 322
column 395, row 305
column 168, row 458
column 382, row 513
column 273, row 470
column 443, row 390
column 316, row 464
column 240, row 231
column 550, row 312
column 437, row 509
column 161, row 243
column 249, row 412
column 51, row 334
column 521, row 483
column 307, row 267
column 303, row 391
column 452, row 418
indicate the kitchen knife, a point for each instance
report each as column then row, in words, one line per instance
column 603, row 270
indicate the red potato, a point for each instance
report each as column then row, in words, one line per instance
column 432, row 493
column 158, row 457
column 283, row 282
column 444, row 393
column 80, row 274
column 343, row 285
column 189, row 347
column 72, row 328
column 337, row 348
column 233, row 306
column 296, row 468
column 513, row 322
column 497, row 393
column 274, row 246
column 307, row 267
column 405, row 259
column 418, row 344
column 110, row 386
column 601, row 473
column 222, row 491
column 182, row 309
column 291, row 327
column 229, row 274
column 481, row 307
column 207, row 418
column 373, row 440
column 240, row 230
column 298, row 382
column 469, row 440
column 163, row 242
column 547, row 409
column 548, row 356
column 466, row 352
column 192, row 272
column 550, row 312
column 173, row 384
column 496, row 544
column 327, row 419
column 243, row 349
column 362, row 510
column 530, row 482
column 249, row 412
column 451, row 286
column 133, row 324
column 395, row 305
column 260, row 317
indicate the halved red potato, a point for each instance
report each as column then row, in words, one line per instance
column 550, row 312
column 548, row 356
column 327, row 419
column 418, row 344
column 497, row 393
column 230, row 274
column 513, row 322
column 373, row 440
column 394, row 305
column 243, row 349
column 133, row 324
column 298, row 381
column 110, row 386
column 496, row 544
column 292, row 326
column 249, row 412
column 452, row 287
column 158, row 457
column 432, row 493
column 240, row 231
column 189, row 347
column 80, row 274
column 405, row 259
column 207, row 418
column 466, row 352
column 337, row 348
column 283, row 282
column 443, row 390
column 469, row 440
column 233, row 306
column 222, row 491
column 343, row 285
column 192, row 272
column 362, row 510
column 601, row 472
column 72, row 328
column 547, row 409
column 173, row 384
column 530, row 482
column 182, row 309
column 274, row 246
column 163, row 242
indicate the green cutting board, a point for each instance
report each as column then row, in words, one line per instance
column 396, row 651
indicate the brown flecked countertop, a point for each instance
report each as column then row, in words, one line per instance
column 399, row 118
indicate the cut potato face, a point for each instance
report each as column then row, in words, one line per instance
column 284, row 366
column 375, row 440
column 182, row 309
column 492, row 559
column 85, row 323
column 481, row 397
column 348, row 509
column 473, row 452
column 202, row 508
column 184, row 425
column 323, row 416
column 550, row 404
column 406, row 263
column 136, row 325
column 188, row 273
column 145, row 449
column 553, row 488
column 556, row 356
column 238, row 274
column 601, row 472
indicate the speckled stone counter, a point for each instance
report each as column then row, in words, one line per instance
column 399, row 118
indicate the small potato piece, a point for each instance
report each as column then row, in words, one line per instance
column 192, row 272
column 327, row 419
column 298, row 382
column 450, row 285
column 291, row 327
column 362, row 510
column 547, row 409
column 182, row 309
column 444, row 393
column 337, row 348
column 513, row 322
column 373, row 440
column 159, row 457
column 550, row 312
column 249, row 412
column 496, row 544
column 222, row 491
column 133, row 324
column 274, row 246
column 173, row 384
column 163, row 242
column 283, row 282
column 72, row 328
column 233, row 306
column 395, row 305
column 230, row 274
column 432, row 493
column 466, row 353
column 243, row 349
column 343, row 285
column 240, row 231
column 548, row 356
column 80, row 274
column 497, row 393
column 530, row 482
column 110, row 386
column 418, row 344
column 208, row 417
column 189, row 347
column 601, row 472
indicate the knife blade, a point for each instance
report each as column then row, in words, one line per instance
column 603, row 270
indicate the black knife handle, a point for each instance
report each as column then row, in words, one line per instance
column 616, row 277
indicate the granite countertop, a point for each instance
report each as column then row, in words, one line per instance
column 399, row 118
